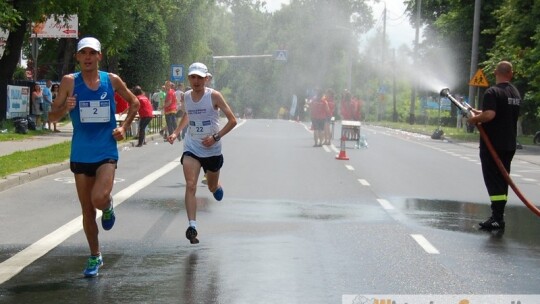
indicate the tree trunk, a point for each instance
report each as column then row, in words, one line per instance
column 9, row 61
column 12, row 53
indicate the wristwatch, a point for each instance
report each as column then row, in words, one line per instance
column 216, row 137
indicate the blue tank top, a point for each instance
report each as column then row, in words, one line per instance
column 93, row 121
column 203, row 122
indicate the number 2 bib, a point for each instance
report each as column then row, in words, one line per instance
column 95, row 111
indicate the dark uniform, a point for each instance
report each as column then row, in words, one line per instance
column 504, row 99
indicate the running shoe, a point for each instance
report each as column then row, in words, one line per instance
column 218, row 194
column 204, row 180
column 492, row 224
column 191, row 235
column 92, row 266
column 108, row 217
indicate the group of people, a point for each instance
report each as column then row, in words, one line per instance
column 41, row 102
column 88, row 97
column 323, row 109
column 94, row 153
column 498, row 117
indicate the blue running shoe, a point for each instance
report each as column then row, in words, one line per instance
column 92, row 266
column 108, row 217
column 218, row 194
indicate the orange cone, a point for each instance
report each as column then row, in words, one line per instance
column 342, row 155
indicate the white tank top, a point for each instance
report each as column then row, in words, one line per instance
column 203, row 122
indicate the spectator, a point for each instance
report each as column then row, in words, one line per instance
column 122, row 105
column 329, row 96
column 170, row 108
column 54, row 93
column 319, row 113
column 47, row 102
column 37, row 104
column 350, row 107
column 145, row 114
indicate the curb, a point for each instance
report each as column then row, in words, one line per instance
column 23, row 177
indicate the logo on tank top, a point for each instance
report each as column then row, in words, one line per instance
column 103, row 95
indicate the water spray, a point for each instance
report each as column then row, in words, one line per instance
column 467, row 110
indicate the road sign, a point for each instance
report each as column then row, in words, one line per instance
column 177, row 72
column 280, row 55
column 479, row 79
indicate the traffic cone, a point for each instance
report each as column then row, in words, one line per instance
column 342, row 155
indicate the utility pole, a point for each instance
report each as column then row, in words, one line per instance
column 394, row 115
column 474, row 51
column 415, row 60
column 381, row 102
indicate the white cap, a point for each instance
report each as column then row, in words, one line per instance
column 198, row 68
column 89, row 42
column 209, row 75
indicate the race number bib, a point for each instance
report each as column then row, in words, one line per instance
column 95, row 111
column 200, row 129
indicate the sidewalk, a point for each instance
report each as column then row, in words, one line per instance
column 41, row 141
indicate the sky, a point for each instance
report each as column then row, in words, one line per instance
column 398, row 28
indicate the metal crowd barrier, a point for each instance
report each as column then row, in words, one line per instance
column 155, row 125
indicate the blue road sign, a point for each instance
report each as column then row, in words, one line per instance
column 177, row 72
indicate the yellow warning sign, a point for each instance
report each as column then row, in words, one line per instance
column 479, row 79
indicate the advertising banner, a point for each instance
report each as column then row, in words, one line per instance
column 50, row 28
column 18, row 101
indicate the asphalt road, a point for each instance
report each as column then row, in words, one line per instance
column 295, row 226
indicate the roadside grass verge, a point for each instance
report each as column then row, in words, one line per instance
column 23, row 160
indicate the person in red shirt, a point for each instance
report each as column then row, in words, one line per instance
column 329, row 96
column 319, row 113
column 121, row 104
column 350, row 107
column 145, row 113
column 170, row 107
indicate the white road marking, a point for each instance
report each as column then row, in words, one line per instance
column 12, row 266
column 425, row 244
column 349, row 167
column 363, row 182
column 385, row 204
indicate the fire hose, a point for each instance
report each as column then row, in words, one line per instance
column 467, row 110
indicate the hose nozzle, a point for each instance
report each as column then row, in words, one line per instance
column 463, row 106
column 445, row 92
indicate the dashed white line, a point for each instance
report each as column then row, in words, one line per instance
column 425, row 244
column 349, row 167
column 385, row 204
column 363, row 182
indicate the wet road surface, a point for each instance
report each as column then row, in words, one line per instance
column 295, row 226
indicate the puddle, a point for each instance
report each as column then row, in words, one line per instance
column 521, row 224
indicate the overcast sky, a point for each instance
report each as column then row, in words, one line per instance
column 398, row 27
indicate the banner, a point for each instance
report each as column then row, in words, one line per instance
column 18, row 101
column 50, row 28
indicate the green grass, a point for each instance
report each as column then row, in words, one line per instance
column 11, row 135
column 23, row 160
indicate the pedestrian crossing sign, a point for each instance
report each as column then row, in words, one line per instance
column 281, row 55
column 479, row 79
